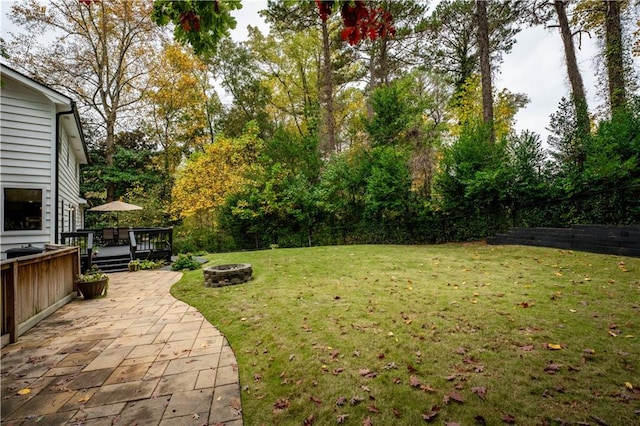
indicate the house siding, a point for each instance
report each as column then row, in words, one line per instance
column 27, row 127
column 69, row 187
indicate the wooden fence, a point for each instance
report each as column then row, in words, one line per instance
column 35, row 286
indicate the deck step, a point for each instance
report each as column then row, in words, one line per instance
column 118, row 263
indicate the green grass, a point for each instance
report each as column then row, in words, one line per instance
column 458, row 319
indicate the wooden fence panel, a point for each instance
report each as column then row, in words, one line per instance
column 34, row 286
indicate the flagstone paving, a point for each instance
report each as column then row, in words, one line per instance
column 137, row 356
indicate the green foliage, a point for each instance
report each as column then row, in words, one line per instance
column 185, row 261
column 201, row 24
column 134, row 173
column 392, row 116
column 92, row 275
column 567, row 141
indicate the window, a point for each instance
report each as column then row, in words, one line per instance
column 22, row 209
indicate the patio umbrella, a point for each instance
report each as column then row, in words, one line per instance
column 115, row 206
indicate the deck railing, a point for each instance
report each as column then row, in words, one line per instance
column 35, row 286
column 151, row 243
column 144, row 243
column 84, row 240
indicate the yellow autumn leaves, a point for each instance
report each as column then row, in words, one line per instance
column 208, row 177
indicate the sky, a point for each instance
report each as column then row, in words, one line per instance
column 535, row 66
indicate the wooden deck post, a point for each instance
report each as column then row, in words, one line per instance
column 12, row 290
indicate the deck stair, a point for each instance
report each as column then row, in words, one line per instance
column 112, row 259
column 116, row 263
column 620, row 240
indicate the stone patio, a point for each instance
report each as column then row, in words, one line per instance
column 136, row 357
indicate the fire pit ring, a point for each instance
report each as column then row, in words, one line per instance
column 221, row 275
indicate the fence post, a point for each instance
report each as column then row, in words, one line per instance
column 12, row 290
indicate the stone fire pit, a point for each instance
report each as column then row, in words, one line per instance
column 221, row 275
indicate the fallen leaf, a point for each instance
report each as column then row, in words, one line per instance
column 309, row 420
column 414, row 381
column 427, row 388
column 196, row 416
column 338, row 371
column 628, row 385
column 552, row 368
column 280, row 405
column 235, row 404
column 480, row 391
column 341, row 401
column 509, row 419
column 396, row 413
column 355, row 400
column 24, row 391
column 342, row 418
column 316, row 400
column 84, row 399
column 554, row 346
column 453, row 396
column 367, row 422
column 373, row 409
column 365, row 372
column 431, row 415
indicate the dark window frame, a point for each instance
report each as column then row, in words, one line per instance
column 22, row 209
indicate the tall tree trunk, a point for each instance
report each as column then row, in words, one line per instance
column 485, row 65
column 575, row 78
column 327, row 93
column 613, row 55
column 110, row 143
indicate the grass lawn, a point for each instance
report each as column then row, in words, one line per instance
column 464, row 333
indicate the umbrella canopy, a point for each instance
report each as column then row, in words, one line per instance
column 115, row 206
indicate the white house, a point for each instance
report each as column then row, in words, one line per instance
column 41, row 149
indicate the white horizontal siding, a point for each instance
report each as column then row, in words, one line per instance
column 26, row 135
column 27, row 132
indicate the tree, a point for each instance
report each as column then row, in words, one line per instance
column 237, row 68
column 614, row 55
column 606, row 19
column 575, row 78
column 467, row 108
column 203, row 24
column 134, row 166
column 390, row 56
column 180, row 99
column 290, row 68
column 208, row 177
column 452, row 31
column 99, row 55
column 485, row 66
column 200, row 24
